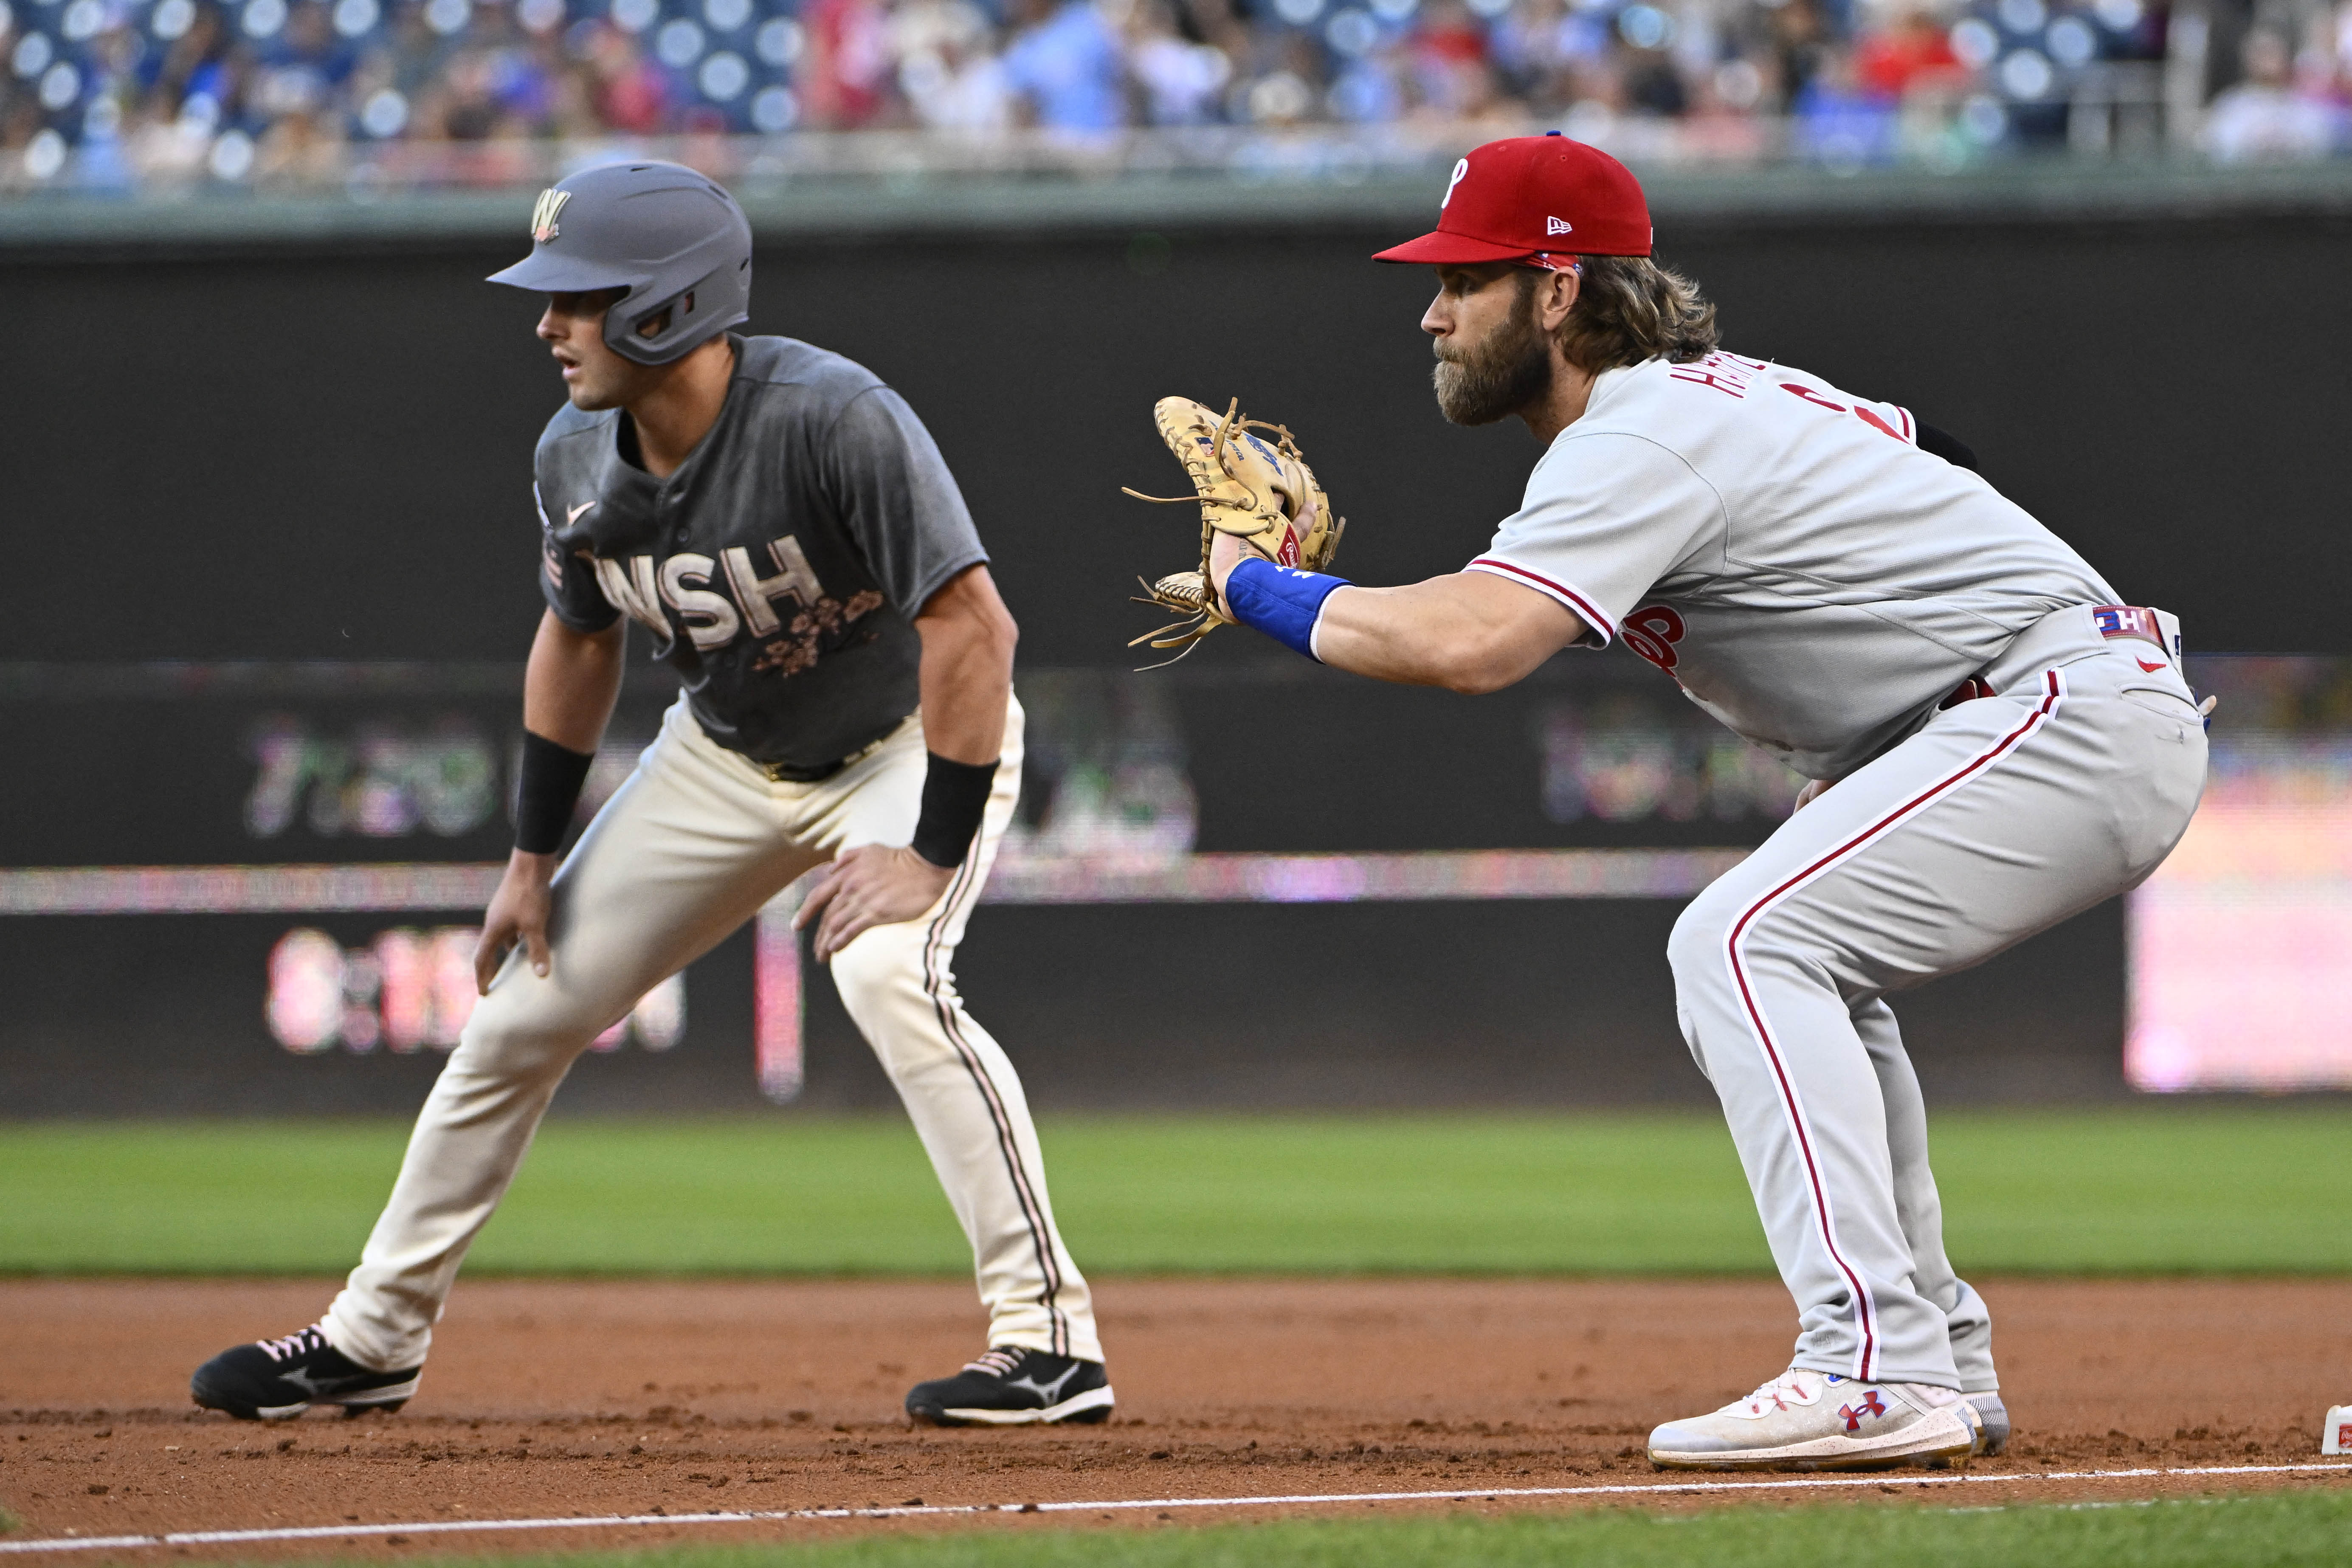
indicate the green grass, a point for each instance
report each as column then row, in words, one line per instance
column 2156, row 1189
column 2273, row 1531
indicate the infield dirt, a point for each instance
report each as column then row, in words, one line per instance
column 594, row 1397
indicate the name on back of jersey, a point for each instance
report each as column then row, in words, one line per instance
column 1735, row 377
column 1727, row 373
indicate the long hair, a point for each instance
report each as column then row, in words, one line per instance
column 1631, row 309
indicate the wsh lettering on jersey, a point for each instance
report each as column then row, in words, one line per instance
column 788, row 611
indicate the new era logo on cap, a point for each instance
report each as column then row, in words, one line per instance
column 1510, row 200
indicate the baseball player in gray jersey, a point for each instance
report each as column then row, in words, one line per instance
column 1994, row 743
column 783, row 526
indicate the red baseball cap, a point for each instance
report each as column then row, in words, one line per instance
column 1529, row 195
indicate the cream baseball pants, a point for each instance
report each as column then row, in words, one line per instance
column 685, row 852
column 2001, row 817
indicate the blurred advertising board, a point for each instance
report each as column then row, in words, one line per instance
column 2240, row 945
column 302, row 850
column 342, row 825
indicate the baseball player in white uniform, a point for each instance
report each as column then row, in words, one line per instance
column 783, row 525
column 1994, row 742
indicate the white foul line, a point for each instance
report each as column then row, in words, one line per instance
column 938, row 1510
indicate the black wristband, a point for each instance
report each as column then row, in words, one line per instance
column 955, row 795
column 547, row 787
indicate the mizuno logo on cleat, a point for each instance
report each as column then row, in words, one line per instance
column 1046, row 1393
column 318, row 1387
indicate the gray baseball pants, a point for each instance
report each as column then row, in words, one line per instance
column 685, row 852
column 1999, row 818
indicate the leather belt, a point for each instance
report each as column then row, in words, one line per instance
column 2159, row 628
column 1967, row 690
column 2132, row 621
column 787, row 773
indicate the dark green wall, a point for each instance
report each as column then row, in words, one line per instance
column 326, row 454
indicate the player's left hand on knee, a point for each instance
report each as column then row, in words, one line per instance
column 872, row 885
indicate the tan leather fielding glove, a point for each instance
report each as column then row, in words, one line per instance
column 1261, row 492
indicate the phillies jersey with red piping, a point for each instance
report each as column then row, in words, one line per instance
column 1785, row 550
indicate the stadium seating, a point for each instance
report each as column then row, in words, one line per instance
column 121, row 94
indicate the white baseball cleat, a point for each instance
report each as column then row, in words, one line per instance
column 1993, row 1427
column 1806, row 1420
column 1992, row 1422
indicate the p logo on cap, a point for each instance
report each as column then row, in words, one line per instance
column 1512, row 199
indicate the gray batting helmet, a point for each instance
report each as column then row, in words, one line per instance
column 674, row 239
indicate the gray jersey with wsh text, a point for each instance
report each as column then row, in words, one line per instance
column 781, row 565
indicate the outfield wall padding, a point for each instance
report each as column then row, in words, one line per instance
column 322, row 451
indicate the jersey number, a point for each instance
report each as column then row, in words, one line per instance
column 1859, row 411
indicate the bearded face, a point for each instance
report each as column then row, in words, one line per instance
column 1480, row 382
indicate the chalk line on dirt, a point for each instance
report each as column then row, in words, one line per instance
column 935, row 1510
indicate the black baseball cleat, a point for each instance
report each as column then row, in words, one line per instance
column 1011, row 1386
column 271, row 1380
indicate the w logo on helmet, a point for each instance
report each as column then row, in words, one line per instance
column 544, row 211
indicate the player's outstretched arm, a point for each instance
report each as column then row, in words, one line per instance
column 567, row 692
column 966, row 681
column 1471, row 632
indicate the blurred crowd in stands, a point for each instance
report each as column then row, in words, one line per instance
column 122, row 92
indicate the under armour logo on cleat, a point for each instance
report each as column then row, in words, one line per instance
column 1868, row 1404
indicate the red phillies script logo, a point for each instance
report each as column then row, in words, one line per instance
column 1651, row 631
column 1868, row 1404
